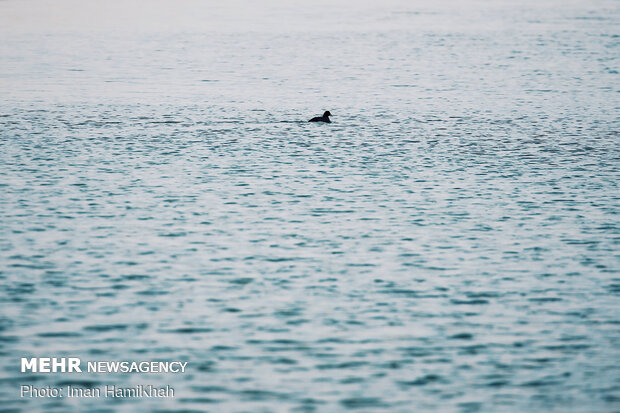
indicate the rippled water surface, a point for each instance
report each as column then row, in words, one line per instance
column 448, row 243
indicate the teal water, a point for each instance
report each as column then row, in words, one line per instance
column 449, row 243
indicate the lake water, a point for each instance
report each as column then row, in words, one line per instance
column 449, row 243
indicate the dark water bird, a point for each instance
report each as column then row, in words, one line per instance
column 324, row 118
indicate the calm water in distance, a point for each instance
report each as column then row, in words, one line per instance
column 450, row 243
